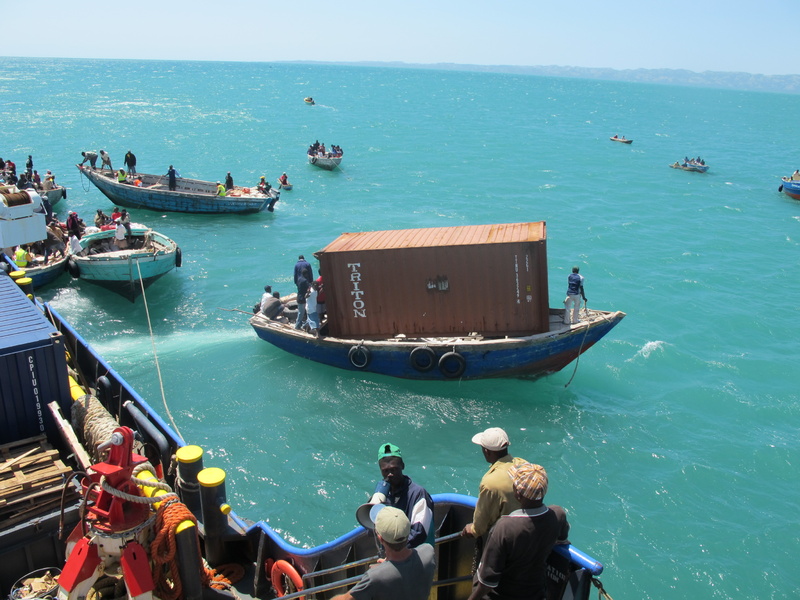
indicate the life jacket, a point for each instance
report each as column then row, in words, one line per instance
column 21, row 257
column 121, row 176
column 221, row 190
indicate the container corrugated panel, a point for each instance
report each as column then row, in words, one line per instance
column 33, row 367
column 486, row 279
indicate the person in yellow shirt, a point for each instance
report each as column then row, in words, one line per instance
column 22, row 257
column 221, row 189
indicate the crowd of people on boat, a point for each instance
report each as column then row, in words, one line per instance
column 306, row 309
column 318, row 149
column 515, row 530
column 693, row 162
column 27, row 179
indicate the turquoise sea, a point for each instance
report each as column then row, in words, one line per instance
column 674, row 448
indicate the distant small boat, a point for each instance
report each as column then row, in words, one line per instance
column 690, row 166
column 620, row 139
column 328, row 162
column 285, row 186
column 149, row 256
column 189, row 196
column 309, row 100
column 790, row 187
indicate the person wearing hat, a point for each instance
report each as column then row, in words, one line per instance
column 263, row 185
column 514, row 561
column 221, row 189
column 397, row 490
column 495, row 493
column 406, row 573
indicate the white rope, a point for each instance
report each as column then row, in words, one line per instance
column 155, row 354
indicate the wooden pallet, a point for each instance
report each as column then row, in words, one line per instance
column 32, row 479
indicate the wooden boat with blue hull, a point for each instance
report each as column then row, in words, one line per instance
column 450, row 358
column 149, row 256
column 41, row 275
column 790, row 187
column 189, row 196
column 622, row 140
column 48, row 359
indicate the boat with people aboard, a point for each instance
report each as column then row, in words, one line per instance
column 691, row 164
column 308, row 100
column 24, row 228
column 791, row 185
column 395, row 306
column 324, row 158
column 127, row 264
column 142, row 511
column 623, row 139
column 283, row 182
column 153, row 192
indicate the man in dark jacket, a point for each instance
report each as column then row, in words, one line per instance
column 303, row 283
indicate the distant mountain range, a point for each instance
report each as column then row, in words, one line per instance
column 789, row 84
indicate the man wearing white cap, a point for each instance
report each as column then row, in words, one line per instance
column 495, row 494
column 406, row 574
column 514, row 561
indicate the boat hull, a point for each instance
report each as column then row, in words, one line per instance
column 688, row 167
column 329, row 164
column 621, row 140
column 791, row 189
column 44, row 275
column 126, row 272
column 447, row 358
column 190, row 196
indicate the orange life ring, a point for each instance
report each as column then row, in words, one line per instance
column 282, row 569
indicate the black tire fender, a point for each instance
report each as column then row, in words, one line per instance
column 422, row 359
column 74, row 268
column 359, row 356
column 452, row 365
column 178, row 257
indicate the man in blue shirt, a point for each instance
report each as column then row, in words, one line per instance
column 396, row 489
column 572, row 303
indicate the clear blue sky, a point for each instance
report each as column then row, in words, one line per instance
column 706, row 35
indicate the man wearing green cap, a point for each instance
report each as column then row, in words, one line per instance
column 406, row 574
column 396, row 489
column 514, row 561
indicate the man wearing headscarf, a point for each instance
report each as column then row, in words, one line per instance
column 514, row 562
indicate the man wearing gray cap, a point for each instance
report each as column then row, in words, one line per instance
column 514, row 562
column 405, row 574
column 495, row 494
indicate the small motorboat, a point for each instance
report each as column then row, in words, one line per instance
column 309, row 100
column 621, row 139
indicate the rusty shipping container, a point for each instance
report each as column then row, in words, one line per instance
column 443, row 281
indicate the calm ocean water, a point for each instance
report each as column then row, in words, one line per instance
column 675, row 446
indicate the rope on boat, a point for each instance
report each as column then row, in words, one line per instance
column 601, row 592
column 155, row 353
column 96, row 424
column 163, row 552
column 580, row 350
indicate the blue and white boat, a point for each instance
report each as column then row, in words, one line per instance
column 50, row 371
column 690, row 166
column 128, row 271
column 189, row 195
column 396, row 304
column 790, row 187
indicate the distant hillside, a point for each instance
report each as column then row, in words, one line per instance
column 710, row 79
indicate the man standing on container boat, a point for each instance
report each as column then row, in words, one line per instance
column 301, row 265
column 572, row 303
column 303, row 282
